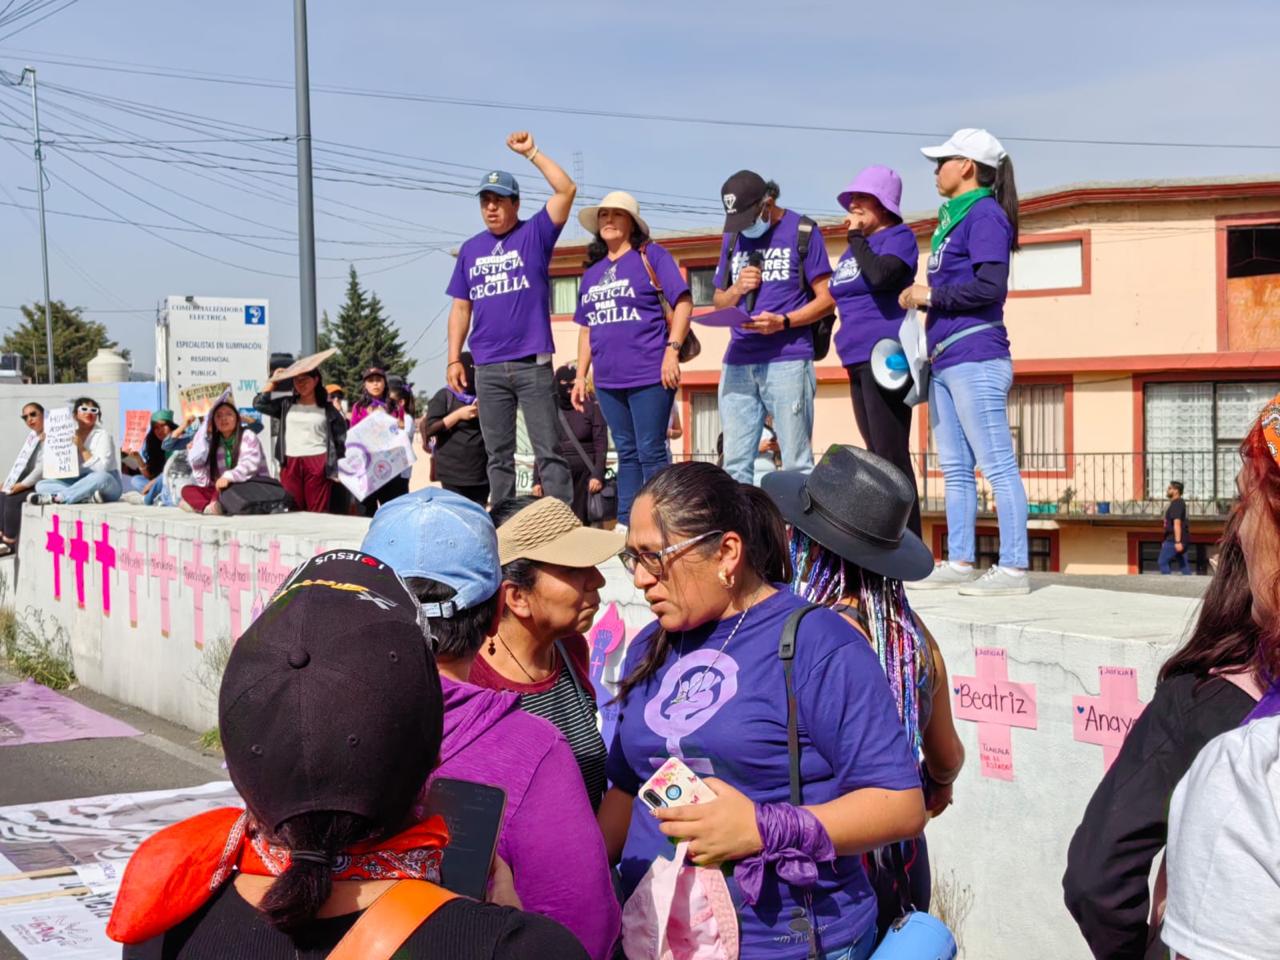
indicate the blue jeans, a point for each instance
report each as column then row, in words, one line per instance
column 968, row 410
column 637, row 418
column 83, row 488
column 1168, row 554
column 859, row 950
column 749, row 391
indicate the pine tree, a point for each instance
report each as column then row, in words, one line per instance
column 75, row 342
column 364, row 336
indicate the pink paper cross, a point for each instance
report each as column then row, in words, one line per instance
column 1105, row 720
column 105, row 554
column 198, row 575
column 995, row 704
column 79, row 554
column 272, row 573
column 233, row 577
column 165, row 566
column 55, row 543
column 133, row 563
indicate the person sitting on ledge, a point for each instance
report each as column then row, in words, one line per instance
column 26, row 470
column 223, row 451
column 99, row 479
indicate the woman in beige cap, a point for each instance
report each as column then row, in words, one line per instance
column 634, row 309
column 550, row 594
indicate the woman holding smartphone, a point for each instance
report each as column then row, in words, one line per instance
column 710, row 555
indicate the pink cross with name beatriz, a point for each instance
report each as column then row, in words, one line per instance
column 996, row 705
column 55, row 543
column 233, row 577
column 133, row 561
column 198, row 575
column 164, row 565
column 79, row 554
column 1105, row 720
column 105, row 554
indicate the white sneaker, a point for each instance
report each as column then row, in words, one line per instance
column 946, row 575
column 998, row 582
column 134, row 497
column 97, row 497
column 214, row 509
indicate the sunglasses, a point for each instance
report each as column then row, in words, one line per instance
column 941, row 162
column 33, row 415
column 85, row 408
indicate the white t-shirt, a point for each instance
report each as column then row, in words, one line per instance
column 306, row 431
column 1224, row 849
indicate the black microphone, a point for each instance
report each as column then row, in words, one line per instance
column 754, row 259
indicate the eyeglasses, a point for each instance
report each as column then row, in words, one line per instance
column 655, row 560
column 941, row 162
column 85, row 408
column 33, row 415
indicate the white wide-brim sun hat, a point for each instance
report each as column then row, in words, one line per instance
column 617, row 200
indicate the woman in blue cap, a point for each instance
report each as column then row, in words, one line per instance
column 879, row 263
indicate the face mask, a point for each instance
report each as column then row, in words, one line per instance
column 756, row 230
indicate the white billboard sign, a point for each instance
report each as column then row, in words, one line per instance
column 216, row 340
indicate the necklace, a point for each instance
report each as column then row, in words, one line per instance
column 695, row 685
column 517, row 660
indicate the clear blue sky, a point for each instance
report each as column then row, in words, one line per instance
column 1140, row 70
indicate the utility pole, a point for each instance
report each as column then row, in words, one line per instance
column 44, row 241
column 306, row 206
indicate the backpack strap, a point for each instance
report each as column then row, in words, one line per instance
column 787, row 654
column 391, row 920
column 727, row 282
column 804, row 238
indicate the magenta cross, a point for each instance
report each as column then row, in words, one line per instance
column 1105, row 720
column 995, row 704
column 198, row 575
column 164, row 566
column 54, row 542
column 105, row 554
column 233, row 577
column 79, row 554
column 133, row 562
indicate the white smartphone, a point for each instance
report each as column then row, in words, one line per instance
column 674, row 785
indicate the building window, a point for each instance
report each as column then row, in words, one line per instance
column 564, row 294
column 1253, row 251
column 1193, row 434
column 1055, row 265
column 702, row 285
column 704, row 425
column 987, row 551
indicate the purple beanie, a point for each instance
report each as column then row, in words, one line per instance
column 880, row 182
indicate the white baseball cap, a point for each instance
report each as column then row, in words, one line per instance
column 972, row 143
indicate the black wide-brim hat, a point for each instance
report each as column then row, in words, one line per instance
column 857, row 505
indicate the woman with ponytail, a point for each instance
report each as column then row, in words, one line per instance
column 331, row 717
column 968, row 347
column 705, row 683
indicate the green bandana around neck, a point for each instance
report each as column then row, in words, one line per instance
column 953, row 211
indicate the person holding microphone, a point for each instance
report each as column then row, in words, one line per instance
column 968, row 346
column 630, row 286
column 774, row 265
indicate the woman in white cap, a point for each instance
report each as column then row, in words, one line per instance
column 968, row 346
column 634, row 309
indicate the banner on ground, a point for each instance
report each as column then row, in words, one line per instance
column 30, row 713
column 378, row 450
column 196, row 401
column 61, row 461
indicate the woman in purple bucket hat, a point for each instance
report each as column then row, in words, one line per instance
column 879, row 263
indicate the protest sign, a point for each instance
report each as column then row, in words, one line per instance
column 198, row 400
column 60, row 457
column 378, row 450
column 136, row 425
column 20, row 465
column 302, row 366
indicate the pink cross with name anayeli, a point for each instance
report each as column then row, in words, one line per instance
column 1105, row 720
column 55, row 543
column 164, row 565
column 105, row 554
column 996, row 705
column 133, row 562
column 79, row 554
column 233, row 577
column 198, row 575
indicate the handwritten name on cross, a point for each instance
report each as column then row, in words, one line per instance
column 996, row 705
column 105, row 554
column 79, row 554
column 55, row 543
column 198, row 575
column 233, row 577
column 1105, row 720
column 272, row 573
column 133, row 563
column 164, row 565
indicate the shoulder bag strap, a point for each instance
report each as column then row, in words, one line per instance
column 787, row 654
column 573, row 675
column 653, row 281
column 960, row 335
column 577, row 444
column 391, row 920
column 804, row 237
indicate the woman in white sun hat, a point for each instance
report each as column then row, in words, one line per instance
column 968, row 344
column 634, row 309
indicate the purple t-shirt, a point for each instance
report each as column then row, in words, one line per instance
column 725, row 714
column 505, row 278
column 781, row 289
column 620, row 306
column 983, row 236
column 867, row 316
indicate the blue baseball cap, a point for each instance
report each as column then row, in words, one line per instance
column 499, row 182
column 442, row 536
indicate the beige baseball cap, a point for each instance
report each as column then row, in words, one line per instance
column 617, row 200
column 548, row 531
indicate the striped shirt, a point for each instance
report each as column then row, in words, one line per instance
column 571, row 709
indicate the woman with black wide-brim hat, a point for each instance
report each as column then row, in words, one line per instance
column 851, row 551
